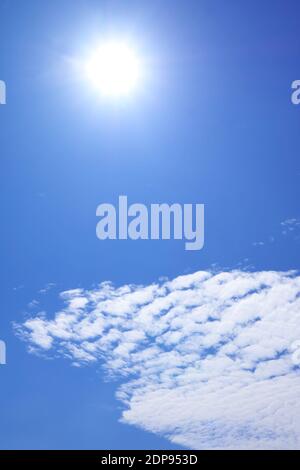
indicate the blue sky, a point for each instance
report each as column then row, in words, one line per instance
column 213, row 124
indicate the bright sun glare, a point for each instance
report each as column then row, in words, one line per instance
column 114, row 69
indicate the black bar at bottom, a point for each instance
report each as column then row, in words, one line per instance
column 136, row 458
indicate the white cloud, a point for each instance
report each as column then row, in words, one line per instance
column 291, row 226
column 206, row 358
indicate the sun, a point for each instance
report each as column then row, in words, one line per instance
column 114, row 69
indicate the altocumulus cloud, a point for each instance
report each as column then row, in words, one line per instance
column 204, row 359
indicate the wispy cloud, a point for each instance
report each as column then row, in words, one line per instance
column 291, row 226
column 258, row 243
column 205, row 358
column 288, row 228
column 47, row 288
